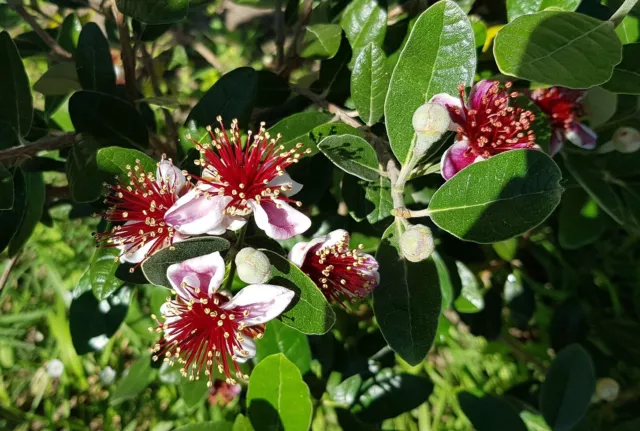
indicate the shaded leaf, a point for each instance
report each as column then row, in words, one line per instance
column 10, row 220
column 369, row 84
column 279, row 338
column 154, row 12
column 17, row 104
column 580, row 220
column 352, row 154
column 60, row 80
column 35, row 196
column 130, row 386
column 93, row 61
column 626, row 75
column 84, row 177
column 490, row 413
column 7, row 194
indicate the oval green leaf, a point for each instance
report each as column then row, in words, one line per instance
column 114, row 161
column 497, row 199
column 439, row 55
column 309, row 313
column 93, row 60
column 278, row 398
column 364, row 22
column 130, row 386
column 352, row 154
column 567, row 389
column 155, row 266
column 321, row 41
column 626, row 75
column 279, row 338
column 490, row 413
column 102, row 272
column 69, row 34
column 10, row 220
column 369, row 83
column 558, row 48
column 60, row 80
column 516, row 8
column 15, row 91
column 154, row 12
column 84, row 177
column 407, row 301
column 35, row 196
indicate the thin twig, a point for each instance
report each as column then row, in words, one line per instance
column 126, row 53
column 279, row 24
column 46, row 38
column 317, row 99
column 7, row 270
column 200, row 48
column 48, row 143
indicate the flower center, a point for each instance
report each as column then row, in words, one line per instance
column 562, row 106
column 245, row 172
column 199, row 333
column 493, row 126
column 141, row 205
column 340, row 272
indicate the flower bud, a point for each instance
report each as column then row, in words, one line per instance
column 107, row 376
column 626, row 140
column 55, row 367
column 416, row 243
column 253, row 266
column 607, row 389
column 430, row 121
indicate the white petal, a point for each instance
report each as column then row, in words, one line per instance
column 249, row 346
column 138, row 255
column 208, row 270
column 285, row 179
column 279, row 223
column 298, row 253
column 168, row 174
column 195, row 214
column 264, row 302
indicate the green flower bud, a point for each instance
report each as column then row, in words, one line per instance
column 607, row 389
column 430, row 121
column 253, row 266
column 416, row 243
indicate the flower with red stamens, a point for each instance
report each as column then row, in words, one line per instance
column 564, row 108
column 204, row 328
column 238, row 180
column 138, row 208
column 486, row 125
column 333, row 266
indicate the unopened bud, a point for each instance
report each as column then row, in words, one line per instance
column 430, row 121
column 624, row 140
column 416, row 243
column 253, row 266
column 55, row 367
column 107, row 376
column 607, row 389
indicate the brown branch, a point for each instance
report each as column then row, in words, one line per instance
column 48, row 143
column 126, row 53
column 7, row 270
column 56, row 49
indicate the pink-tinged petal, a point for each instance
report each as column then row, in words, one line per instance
column 582, row 136
column 279, row 223
column 262, row 301
column 285, row 180
column 298, row 253
column 249, row 346
column 478, row 91
column 557, row 142
column 198, row 272
column 167, row 173
column 196, row 213
column 456, row 158
column 136, row 256
column 454, row 106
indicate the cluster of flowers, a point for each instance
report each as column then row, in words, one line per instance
column 203, row 326
column 487, row 124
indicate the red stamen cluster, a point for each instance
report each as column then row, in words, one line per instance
column 144, row 201
column 199, row 333
column 562, row 105
column 244, row 172
column 339, row 271
column 492, row 126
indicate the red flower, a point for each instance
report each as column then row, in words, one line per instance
column 142, row 205
column 486, row 124
column 564, row 109
column 339, row 271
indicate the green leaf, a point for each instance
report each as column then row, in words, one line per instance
column 309, row 312
column 470, row 299
column 231, row 97
column 369, row 83
column 364, row 22
column 84, row 177
column 279, row 338
column 193, row 392
column 352, row 154
column 242, row 423
column 626, row 75
column 629, row 29
column 297, row 127
column 108, row 117
column 516, row 8
column 490, row 413
column 10, row 220
column 114, row 161
column 102, row 272
column 69, row 33
column 439, row 55
column 155, row 266
column 370, row 200
column 93, row 322
column 567, row 389
column 558, row 48
column 130, row 386
column 580, row 220
column 8, row 136
column 93, row 61
column 153, row 11
column 592, row 180
column 15, row 93
column 346, row 392
column 60, row 80
column 500, row 198
column 278, row 398
column 407, row 301
column 321, row 41
column 600, row 106
column 7, row 194
column 164, row 102
column 448, row 278
column 506, row 249
column 388, row 395
column 35, row 196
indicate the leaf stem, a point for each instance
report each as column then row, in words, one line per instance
column 232, row 253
